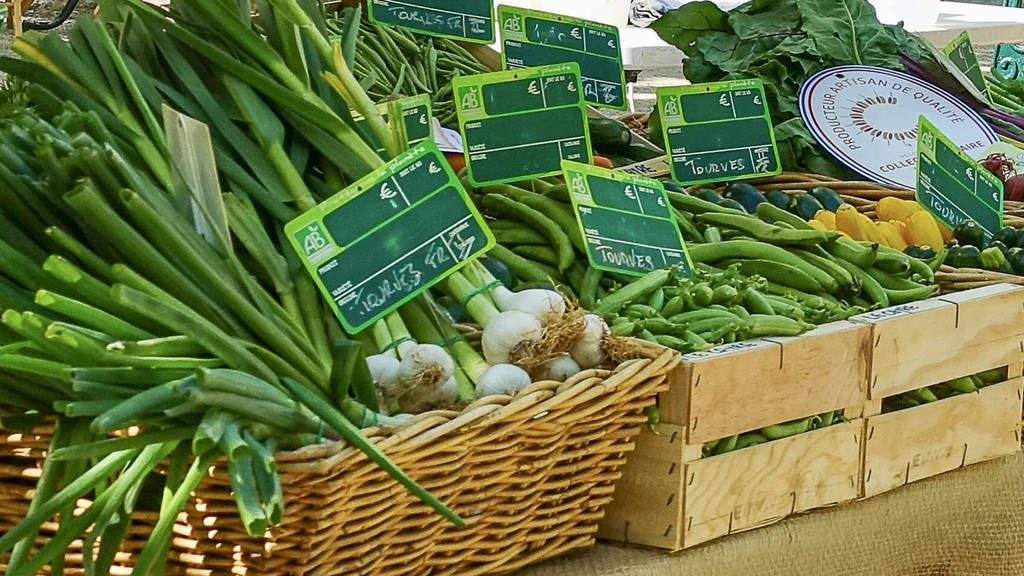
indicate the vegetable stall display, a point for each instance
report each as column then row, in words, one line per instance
column 152, row 301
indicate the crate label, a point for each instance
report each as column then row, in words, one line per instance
column 535, row 38
column 952, row 186
column 387, row 238
column 418, row 122
column 626, row 220
column 886, row 313
column 961, row 53
column 728, row 349
column 718, row 131
column 521, row 124
column 653, row 168
column 468, row 20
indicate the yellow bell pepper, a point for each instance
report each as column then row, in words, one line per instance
column 826, row 217
column 817, row 225
column 890, row 235
column 901, row 227
column 946, row 231
column 924, row 231
column 892, row 208
column 846, row 222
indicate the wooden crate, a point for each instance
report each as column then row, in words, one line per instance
column 671, row 497
column 916, row 443
column 924, row 343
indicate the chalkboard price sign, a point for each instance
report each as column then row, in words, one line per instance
column 961, row 53
column 390, row 236
column 415, row 112
column 952, row 186
column 626, row 220
column 467, row 20
column 520, row 124
column 534, row 38
column 718, row 131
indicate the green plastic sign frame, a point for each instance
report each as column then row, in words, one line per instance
column 520, row 124
column 1008, row 61
column 534, row 38
column 718, row 131
column 626, row 220
column 416, row 112
column 390, row 236
column 466, row 20
column 952, row 186
column 961, row 53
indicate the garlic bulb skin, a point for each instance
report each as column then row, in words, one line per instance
column 587, row 351
column 560, row 369
column 544, row 305
column 506, row 330
column 502, row 379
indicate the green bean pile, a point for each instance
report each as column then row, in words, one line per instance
column 943, row 390
column 392, row 62
column 774, row 432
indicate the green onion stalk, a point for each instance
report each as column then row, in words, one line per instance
column 146, row 285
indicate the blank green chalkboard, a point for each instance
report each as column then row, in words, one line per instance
column 415, row 112
column 468, row 20
column 390, row 236
column 961, row 53
column 952, row 186
column 718, row 131
column 535, row 38
column 626, row 221
column 521, row 124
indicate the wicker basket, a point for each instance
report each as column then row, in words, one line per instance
column 959, row 279
column 21, row 461
column 530, row 474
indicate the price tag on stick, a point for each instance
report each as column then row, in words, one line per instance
column 520, row 124
column 466, row 20
column 961, row 53
column 415, row 112
column 534, row 38
column 390, row 236
column 718, row 131
column 626, row 220
column 952, row 186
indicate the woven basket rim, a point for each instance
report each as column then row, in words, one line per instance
column 433, row 424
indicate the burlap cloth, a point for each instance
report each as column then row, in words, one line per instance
column 969, row 522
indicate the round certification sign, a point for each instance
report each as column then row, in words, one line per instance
column 867, row 118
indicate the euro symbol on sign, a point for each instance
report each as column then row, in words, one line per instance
column 433, row 169
column 423, row 118
column 532, row 89
column 611, row 43
column 575, row 33
column 969, row 172
column 757, row 100
column 723, row 100
column 386, row 193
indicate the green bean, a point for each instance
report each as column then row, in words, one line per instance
column 269, row 484
column 787, row 429
column 588, row 288
column 869, row 286
column 534, row 218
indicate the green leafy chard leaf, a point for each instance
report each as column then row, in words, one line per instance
column 682, row 27
column 847, row 31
